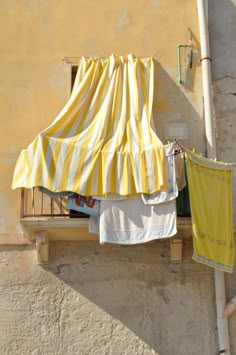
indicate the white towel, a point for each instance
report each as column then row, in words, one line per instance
column 94, row 224
column 172, row 191
column 180, row 171
column 130, row 221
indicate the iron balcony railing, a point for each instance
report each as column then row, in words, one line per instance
column 35, row 203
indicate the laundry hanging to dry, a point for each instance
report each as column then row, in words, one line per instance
column 210, row 189
column 142, row 218
column 102, row 141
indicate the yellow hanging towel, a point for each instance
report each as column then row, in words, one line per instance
column 210, row 191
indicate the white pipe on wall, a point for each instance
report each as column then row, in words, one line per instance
column 202, row 5
column 222, row 322
column 206, row 80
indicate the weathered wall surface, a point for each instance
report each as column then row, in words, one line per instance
column 100, row 300
column 222, row 29
column 94, row 299
column 225, row 110
column 222, row 26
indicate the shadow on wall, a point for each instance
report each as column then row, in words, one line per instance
column 194, row 59
column 131, row 296
column 173, row 111
column 130, row 300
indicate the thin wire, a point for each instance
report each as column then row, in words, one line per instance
column 184, row 150
column 68, row 59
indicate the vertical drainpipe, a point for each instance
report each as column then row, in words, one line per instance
column 202, row 5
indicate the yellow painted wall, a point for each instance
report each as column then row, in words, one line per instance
column 37, row 34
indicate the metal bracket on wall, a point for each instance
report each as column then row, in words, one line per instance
column 179, row 46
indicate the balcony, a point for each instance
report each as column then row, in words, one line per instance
column 44, row 219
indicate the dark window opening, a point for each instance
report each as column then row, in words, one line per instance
column 73, row 75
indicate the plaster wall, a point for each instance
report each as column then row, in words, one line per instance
column 94, row 299
column 112, row 300
column 222, row 27
column 40, row 39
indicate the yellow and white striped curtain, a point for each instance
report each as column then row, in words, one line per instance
column 102, row 141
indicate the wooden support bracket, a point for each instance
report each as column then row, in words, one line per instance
column 176, row 246
column 42, row 247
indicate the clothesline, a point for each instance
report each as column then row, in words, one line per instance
column 70, row 59
column 175, row 141
column 135, row 219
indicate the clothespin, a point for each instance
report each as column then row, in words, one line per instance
column 178, row 147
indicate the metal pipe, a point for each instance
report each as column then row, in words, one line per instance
column 207, row 81
column 202, row 5
column 72, row 60
column 222, row 322
column 179, row 46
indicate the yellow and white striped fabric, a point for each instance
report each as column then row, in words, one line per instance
column 102, row 141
